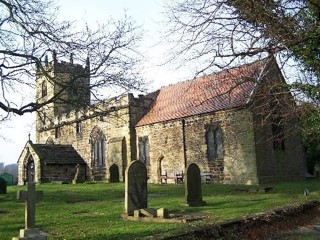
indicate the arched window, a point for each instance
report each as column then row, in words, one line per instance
column 144, row 149
column 44, row 90
column 57, row 132
column 78, row 129
column 214, row 141
column 98, row 147
column 50, row 141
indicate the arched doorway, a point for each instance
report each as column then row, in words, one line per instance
column 160, row 168
column 114, row 173
column 30, row 170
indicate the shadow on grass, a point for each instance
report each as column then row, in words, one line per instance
column 227, row 204
column 299, row 236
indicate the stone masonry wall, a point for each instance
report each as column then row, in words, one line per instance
column 273, row 104
column 279, row 165
column 65, row 173
column 115, row 117
column 114, row 124
column 166, row 145
column 166, row 148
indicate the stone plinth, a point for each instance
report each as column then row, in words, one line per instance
column 31, row 234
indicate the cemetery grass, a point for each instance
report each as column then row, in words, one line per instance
column 92, row 211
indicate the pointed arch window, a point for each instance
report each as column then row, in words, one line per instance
column 44, row 90
column 214, row 140
column 78, row 129
column 144, row 149
column 98, row 147
column 57, row 132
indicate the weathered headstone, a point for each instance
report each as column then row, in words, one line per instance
column 193, row 189
column 31, row 196
column 136, row 193
column 114, row 173
column 3, row 186
column 75, row 180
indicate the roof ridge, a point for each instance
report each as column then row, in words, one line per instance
column 230, row 88
column 216, row 73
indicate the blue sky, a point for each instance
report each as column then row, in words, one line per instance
column 147, row 14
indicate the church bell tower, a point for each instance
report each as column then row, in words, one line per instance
column 62, row 87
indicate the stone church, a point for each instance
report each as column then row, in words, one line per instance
column 232, row 124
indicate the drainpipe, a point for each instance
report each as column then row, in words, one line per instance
column 184, row 142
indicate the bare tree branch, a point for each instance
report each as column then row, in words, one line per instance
column 29, row 30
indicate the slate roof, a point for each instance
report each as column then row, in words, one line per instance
column 57, row 154
column 225, row 90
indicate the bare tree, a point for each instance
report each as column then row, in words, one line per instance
column 220, row 34
column 30, row 29
column 223, row 33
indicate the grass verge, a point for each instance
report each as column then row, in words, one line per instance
column 92, row 211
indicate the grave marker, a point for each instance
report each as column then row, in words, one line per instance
column 193, row 189
column 136, row 193
column 3, row 186
column 75, row 180
column 31, row 196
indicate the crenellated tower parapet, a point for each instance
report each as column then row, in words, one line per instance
column 62, row 87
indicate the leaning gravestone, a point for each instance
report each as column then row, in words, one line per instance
column 136, row 194
column 31, row 196
column 3, row 186
column 193, row 186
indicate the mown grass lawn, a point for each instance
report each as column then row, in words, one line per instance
column 92, row 211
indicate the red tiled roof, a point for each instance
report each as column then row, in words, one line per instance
column 225, row 90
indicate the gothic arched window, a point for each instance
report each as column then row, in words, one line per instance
column 98, row 147
column 44, row 90
column 214, row 142
column 144, row 149
column 78, row 129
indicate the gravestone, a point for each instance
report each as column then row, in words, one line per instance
column 114, row 173
column 193, row 189
column 136, row 193
column 31, row 196
column 75, row 180
column 3, row 186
